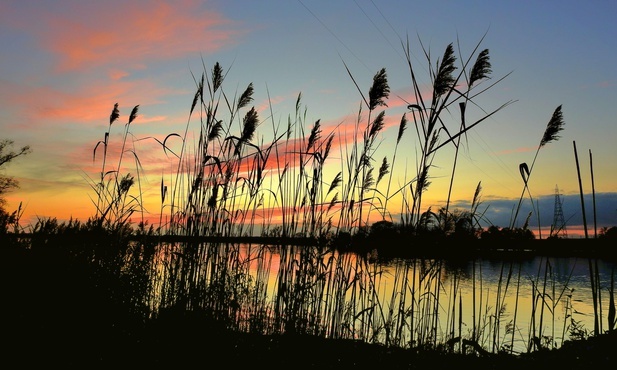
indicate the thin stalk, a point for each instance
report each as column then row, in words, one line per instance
column 551, row 133
column 593, row 194
column 518, row 285
column 580, row 186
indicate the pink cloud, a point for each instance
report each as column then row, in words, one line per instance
column 406, row 96
column 116, row 74
column 92, row 102
column 517, row 150
column 131, row 33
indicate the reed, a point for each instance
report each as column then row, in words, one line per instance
column 551, row 133
column 114, row 203
column 428, row 120
column 480, row 71
column 10, row 221
column 227, row 179
column 547, row 296
column 218, row 187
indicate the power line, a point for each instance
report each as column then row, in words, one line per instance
column 379, row 30
column 334, row 35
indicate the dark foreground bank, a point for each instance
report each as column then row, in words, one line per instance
column 55, row 314
column 183, row 343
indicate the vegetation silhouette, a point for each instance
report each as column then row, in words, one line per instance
column 8, row 183
column 140, row 286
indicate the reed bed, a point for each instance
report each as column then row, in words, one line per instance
column 226, row 178
column 413, row 303
column 299, row 290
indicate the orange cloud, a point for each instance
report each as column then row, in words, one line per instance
column 116, row 74
column 131, row 33
column 517, row 150
column 92, row 102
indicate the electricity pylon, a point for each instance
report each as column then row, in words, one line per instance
column 558, row 228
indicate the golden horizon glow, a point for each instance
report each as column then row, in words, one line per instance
column 64, row 69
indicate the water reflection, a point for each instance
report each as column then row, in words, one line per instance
column 548, row 298
column 498, row 304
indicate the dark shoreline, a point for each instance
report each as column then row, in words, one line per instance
column 387, row 247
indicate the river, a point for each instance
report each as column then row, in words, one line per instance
column 500, row 303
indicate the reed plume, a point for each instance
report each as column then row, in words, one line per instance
column 553, row 128
column 444, row 80
column 481, row 68
column 246, row 97
column 217, row 77
column 383, row 170
column 133, row 114
column 401, row 130
column 379, row 91
column 551, row 133
column 427, row 115
column 115, row 114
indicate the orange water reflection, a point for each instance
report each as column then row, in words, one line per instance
column 501, row 304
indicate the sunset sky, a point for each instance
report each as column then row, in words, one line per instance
column 64, row 64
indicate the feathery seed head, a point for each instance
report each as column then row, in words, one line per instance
column 217, row 76
column 337, row 180
column 215, row 130
column 444, row 79
column 481, row 69
column 368, row 180
column 125, row 184
column 377, row 125
column 380, row 90
column 328, row 147
column 298, row 102
column 554, row 126
column 198, row 94
column 246, row 97
column 133, row 114
column 401, row 128
column 315, row 135
column 163, row 191
column 115, row 113
column 250, row 123
column 476, row 195
column 213, row 197
column 383, row 170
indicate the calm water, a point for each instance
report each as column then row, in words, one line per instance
column 538, row 296
column 501, row 304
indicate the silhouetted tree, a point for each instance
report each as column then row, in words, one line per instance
column 609, row 232
column 6, row 156
column 8, row 183
column 506, row 233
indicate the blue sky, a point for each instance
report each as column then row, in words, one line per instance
column 63, row 65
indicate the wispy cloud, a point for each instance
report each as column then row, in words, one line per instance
column 517, row 150
column 131, row 33
column 499, row 211
column 95, row 57
column 44, row 105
